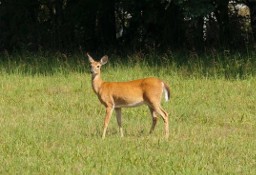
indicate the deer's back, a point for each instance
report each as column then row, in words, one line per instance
column 130, row 93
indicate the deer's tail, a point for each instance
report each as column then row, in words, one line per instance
column 167, row 92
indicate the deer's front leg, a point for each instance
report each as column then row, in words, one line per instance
column 119, row 120
column 109, row 111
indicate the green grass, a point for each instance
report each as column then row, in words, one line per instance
column 51, row 121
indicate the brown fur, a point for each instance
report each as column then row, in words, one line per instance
column 115, row 95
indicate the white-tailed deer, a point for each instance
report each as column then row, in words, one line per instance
column 116, row 95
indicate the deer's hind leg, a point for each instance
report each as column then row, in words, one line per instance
column 154, row 119
column 156, row 107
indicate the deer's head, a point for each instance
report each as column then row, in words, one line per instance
column 96, row 65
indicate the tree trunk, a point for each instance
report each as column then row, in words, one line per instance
column 106, row 28
column 223, row 21
column 252, row 6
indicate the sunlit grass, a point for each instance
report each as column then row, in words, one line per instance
column 51, row 122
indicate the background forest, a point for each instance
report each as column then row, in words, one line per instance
column 127, row 25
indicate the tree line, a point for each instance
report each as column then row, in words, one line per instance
column 121, row 25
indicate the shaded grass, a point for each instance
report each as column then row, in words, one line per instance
column 51, row 123
column 209, row 65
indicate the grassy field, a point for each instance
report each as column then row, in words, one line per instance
column 51, row 121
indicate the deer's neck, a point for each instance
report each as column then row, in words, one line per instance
column 96, row 83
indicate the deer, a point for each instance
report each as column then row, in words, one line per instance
column 117, row 95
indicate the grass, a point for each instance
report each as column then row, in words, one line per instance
column 51, row 121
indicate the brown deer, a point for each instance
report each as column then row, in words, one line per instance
column 116, row 95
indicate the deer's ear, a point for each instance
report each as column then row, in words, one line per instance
column 104, row 60
column 90, row 58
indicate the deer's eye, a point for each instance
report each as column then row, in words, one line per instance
column 98, row 67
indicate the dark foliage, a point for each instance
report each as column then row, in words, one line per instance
column 122, row 25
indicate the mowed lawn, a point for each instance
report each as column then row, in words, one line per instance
column 52, row 124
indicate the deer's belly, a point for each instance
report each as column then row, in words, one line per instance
column 131, row 104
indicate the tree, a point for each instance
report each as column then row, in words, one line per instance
column 252, row 6
column 18, row 23
column 104, row 25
